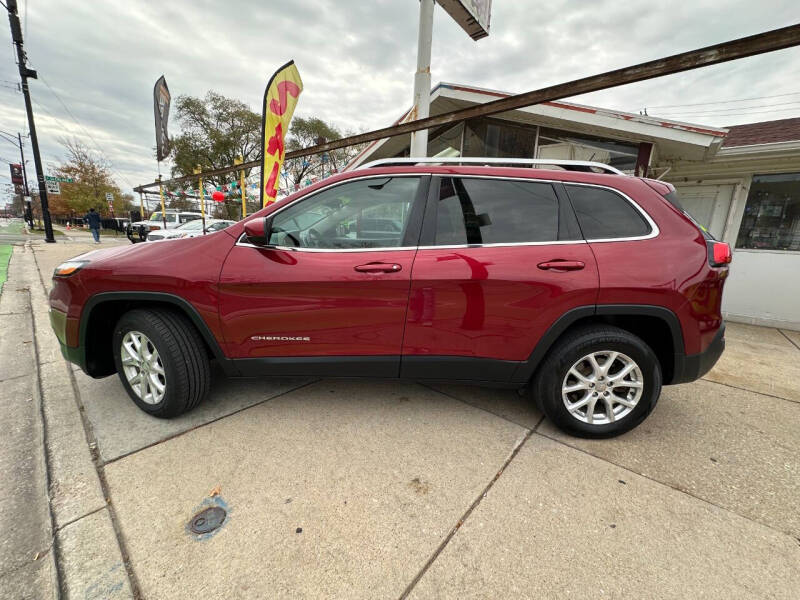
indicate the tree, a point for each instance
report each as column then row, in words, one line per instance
column 214, row 131
column 92, row 182
column 306, row 132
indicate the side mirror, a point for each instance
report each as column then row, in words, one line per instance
column 258, row 231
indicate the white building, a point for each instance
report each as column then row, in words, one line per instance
column 742, row 182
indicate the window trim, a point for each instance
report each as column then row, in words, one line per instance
column 414, row 215
column 428, row 232
column 654, row 230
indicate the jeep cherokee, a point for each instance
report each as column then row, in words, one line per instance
column 587, row 288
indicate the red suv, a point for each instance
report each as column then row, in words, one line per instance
column 591, row 289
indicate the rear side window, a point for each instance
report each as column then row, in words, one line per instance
column 493, row 211
column 603, row 214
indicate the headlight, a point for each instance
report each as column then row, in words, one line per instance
column 69, row 268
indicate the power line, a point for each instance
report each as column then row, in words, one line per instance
column 79, row 124
column 724, row 110
column 760, row 112
column 725, row 101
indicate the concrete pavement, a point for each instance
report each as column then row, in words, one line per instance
column 365, row 489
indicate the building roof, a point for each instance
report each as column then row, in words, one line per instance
column 765, row 132
column 674, row 138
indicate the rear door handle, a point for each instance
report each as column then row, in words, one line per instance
column 378, row 267
column 562, row 265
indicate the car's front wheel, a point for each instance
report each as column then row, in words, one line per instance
column 161, row 361
column 598, row 381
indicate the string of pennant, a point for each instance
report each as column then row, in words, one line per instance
column 230, row 189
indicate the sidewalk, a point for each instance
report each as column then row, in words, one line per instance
column 365, row 489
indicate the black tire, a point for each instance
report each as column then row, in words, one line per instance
column 547, row 384
column 187, row 371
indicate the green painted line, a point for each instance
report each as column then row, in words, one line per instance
column 5, row 256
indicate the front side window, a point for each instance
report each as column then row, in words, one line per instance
column 604, row 214
column 771, row 218
column 495, row 211
column 369, row 213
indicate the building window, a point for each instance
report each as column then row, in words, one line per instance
column 771, row 218
column 564, row 145
column 497, row 139
column 446, row 143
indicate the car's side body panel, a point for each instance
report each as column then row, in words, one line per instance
column 492, row 302
column 276, row 302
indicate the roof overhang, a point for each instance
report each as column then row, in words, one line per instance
column 673, row 139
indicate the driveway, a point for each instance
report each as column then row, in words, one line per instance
column 380, row 489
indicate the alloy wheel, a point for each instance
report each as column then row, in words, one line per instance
column 602, row 387
column 143, row 368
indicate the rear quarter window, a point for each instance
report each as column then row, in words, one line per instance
column 604, row 214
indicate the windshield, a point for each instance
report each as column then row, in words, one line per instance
column 156, row 216
column 195, row 225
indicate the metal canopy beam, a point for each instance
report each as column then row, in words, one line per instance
column 769, row 41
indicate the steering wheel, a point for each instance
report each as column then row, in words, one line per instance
column 313, row 238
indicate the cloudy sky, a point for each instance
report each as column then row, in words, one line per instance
column 98, row 61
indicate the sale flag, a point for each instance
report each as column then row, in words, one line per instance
column 161, row 99
column 280, row 98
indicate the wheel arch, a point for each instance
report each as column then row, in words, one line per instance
column 102, row 311
column 658, row 327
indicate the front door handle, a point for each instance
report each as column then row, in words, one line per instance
column 562, row 265
column 378, row 267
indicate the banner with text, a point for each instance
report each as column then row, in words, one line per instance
column 280, row 98
column 161, row 100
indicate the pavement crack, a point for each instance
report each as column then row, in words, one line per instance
column 741, row 389
column 465, row 516
column 486, row 410
column 791, row 341
column 199, row 425
column 98, row 465
column 667, row 485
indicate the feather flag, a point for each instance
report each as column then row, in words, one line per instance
column 280, row 99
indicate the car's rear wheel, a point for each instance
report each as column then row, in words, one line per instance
column 598, row 381
column 161, row 361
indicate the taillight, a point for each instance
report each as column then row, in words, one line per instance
column 719, row 253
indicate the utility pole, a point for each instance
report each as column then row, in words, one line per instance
column 422, row 78
column 22, row 160
column 25, row 73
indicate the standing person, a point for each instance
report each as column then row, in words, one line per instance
column 94, row 224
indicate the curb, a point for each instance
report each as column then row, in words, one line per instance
column 88, row 555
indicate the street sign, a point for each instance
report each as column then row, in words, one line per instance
column 472, row 15
column 53, row 187
column 16, row 173
column 61, row 179
column 109, row 197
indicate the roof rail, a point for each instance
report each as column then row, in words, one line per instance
column 568, row 165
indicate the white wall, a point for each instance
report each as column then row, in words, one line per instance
column 764, row 288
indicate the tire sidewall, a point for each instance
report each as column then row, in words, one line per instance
column 550, row 383
column 136, row 322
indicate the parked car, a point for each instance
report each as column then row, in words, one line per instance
column 139, row 230
column 589, row 290
column 190, row 229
